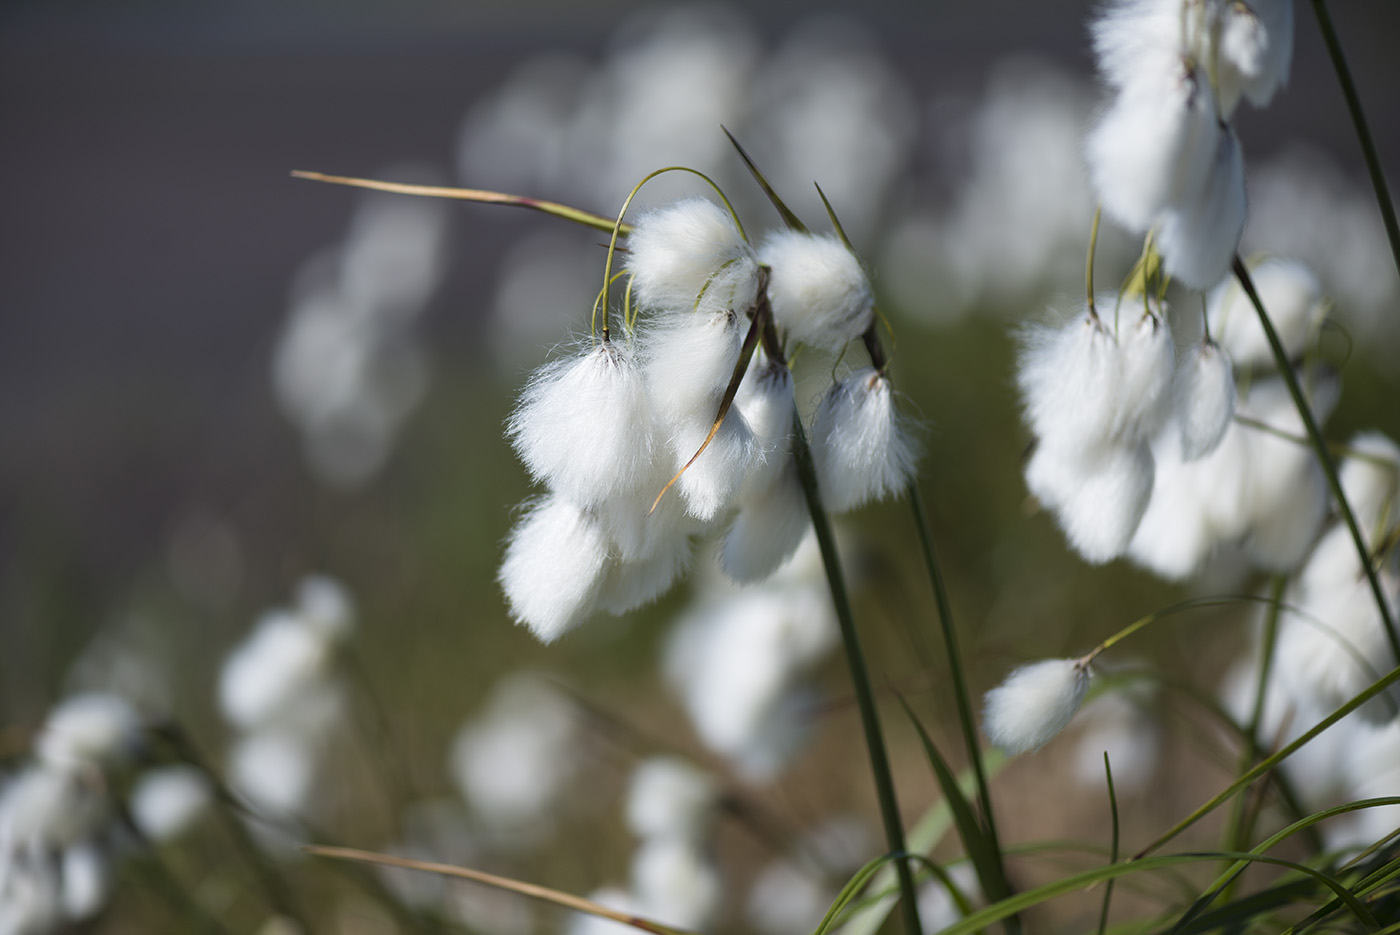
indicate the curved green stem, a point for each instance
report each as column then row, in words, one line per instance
column 1363, row 133
column 1324, row 456
column 860, row 677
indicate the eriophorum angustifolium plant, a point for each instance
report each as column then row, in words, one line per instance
column 738, row 463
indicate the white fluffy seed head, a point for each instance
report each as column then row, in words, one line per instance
column 281, row 661
column 96, row 729
column 1290, row 294
column 671, row 797
column 689, row 361
column 1199, row 235
column 167, row 801
column 326, row 605
column 691, row 247
column 676, row 883
column 274, row 769
column 1098, row 495
column 553, row 567
column 1069, row 376
column 1371, row 481
column 584, row 424
column 768, row 405
column 1127, row 32
column 1154, row 146
column 819, row 293
column 629, row 585
column 1148, row 358
column 861, row 444
column 1204, row 399
column 1256, row 50
column 770, row 525
column 1033, row 704
column 712, row 481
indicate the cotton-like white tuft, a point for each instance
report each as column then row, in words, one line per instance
column 325, row 604
column 553, row 567
column 1178, row 532
column 1154, row 146
column 1098, row 495
column 1125, row 32
column 1290, row 294
column 1204, row 399
column 47, row 808
column 1070, row 377
column 1371, row 481
column 1199, row 235
column 278, row 662
column 1256, row 50
column 676, row 883
column 584, row 425
column 689, row 360
column 670, row 797
column 275, row 770
column 1033, row 704
column 95, row 729
column 818, row 291
column 677, row 252
column 861, row 445
column 768, row 405
column 1148, row 358
column 712, row 481
column 1339, row 647
column 87, row 880
column 167, row 801
column 767, row 530
column 629, row 585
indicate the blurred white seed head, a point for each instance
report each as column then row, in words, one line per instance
column 1145, row 379
column 275, row 770
column 583, row 424
column 1199, row 236
column 1098, row 495
column 1372, row 484
column 326, row 605
column 1291, row 295
column 87, row 880
column 819, row 293
column 168, row 800
column 861, row 444
column 1256, row 50
column 1070, row 377
column 554, row 564
column 1033, row 704
column 676, row 883
column 46, row 808
column 1204, row 399
column 615, row 898
column 768, row 528
column 96, row 729
column 687, row 248
column 670, row 797
column 281, row 660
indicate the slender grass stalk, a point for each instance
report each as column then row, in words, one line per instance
column 1324, row 456
column 860, row 677
column 955, row 665
column 1113, row 851
column 1363, row 132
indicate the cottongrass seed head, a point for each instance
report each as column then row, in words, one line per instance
column 554, row 563
column 861, row 444
column 680, row 251
column 818, row 291
column 1034, row 703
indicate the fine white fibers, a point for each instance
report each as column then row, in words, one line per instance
column 689, row 361
column 1069, row 377
column 1338, row 646
column 818, row 291
column 167, row 801
column 1098, row 495
column 554, row 564
column 677, row 252
column 768, row 528
column 1127, row 31
column 861, row 445
column 766, row 400
column 1033, row 704
column 1198, row 236
column 89, row 730
column 1145, row 379
column 676, row 883
column 583, row 425
column 1154, row 146
column 278, row 662
column 670, row 797
column 712, row 480
column 1256, row 50
column 1371, row 481
column 1290, row 294
column 1178, row 530
column 629, row 585
column 1204, row 399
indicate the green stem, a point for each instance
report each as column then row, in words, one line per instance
column 1324, row 456
column 950, row 643
column 1363, row 133
column 1113, row 850
column 860, row 677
